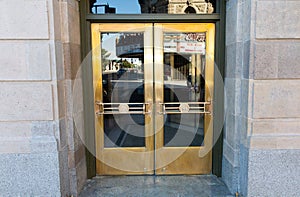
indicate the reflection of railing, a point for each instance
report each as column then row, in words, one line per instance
column 185, row 108
column 123, row 108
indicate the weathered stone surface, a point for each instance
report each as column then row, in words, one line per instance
column 231, row 130
column 63, row 134
column 22, row 60
column 275, row 142
column 276, row 99
column 59, row 58
column 232, row 96
column 62, row 101
column 277, row 19
column 64, row 172
column 234, row 61
column 43, row 128
column 277, row 59
column 230, row 154
column 230, row 175
column 278, row 170
column 266, row 60
column 70, row 24
column 27, row 137
column 26, row 101
column 15, row 145
column 15, row 129
column 20, row 19
column 231, row 21
column 246, row 97
column 276, row 127
column 29, row 174
column 289, row 59
column 72, row 60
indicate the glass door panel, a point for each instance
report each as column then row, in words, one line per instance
column 123, row 86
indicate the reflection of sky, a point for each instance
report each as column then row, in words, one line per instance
column 122, row 6
column 109, row 44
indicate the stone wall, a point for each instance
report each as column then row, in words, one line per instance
column 70, row 94
column 262, row 131
column 39, row 151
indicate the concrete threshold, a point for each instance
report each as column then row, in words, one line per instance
column 155, row 186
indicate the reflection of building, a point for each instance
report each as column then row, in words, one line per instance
column 177, row 6
column 130, row 45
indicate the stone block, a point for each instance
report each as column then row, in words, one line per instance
column 72, row 60
column 69, row 98
column 277, row 19
column 266, row 60
column 62, row 134
column 43, row 145
column 43, row 128
column 275, row 142
column 231, row 154
column 59, row 53
column 30, row 174
column 231, row 60
column 64, row 172
column 56, row 19
column 229, row 95
column 243, row 170
column 231, row 21
column 27, row 137
column 230, row 175
column 246, row 74
column 246, row 97
column 61, row 93
column 15, row 129
column 276, row 99
column 81, row 174
column 232, row 96
column 73, row 3
column 246, row 6
column 289, row 59
column 75, row 53
column 231, row 130
column 26, row 101
column 277, row 59
column 274, row 172
column 70, row 24
column 20, row 19
column 64, row 22
column 276, row 127
column 15, row 145
column 25, row 60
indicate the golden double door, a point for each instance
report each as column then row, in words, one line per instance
column 153, row 91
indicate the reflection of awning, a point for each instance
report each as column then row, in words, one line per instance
column 135, row 53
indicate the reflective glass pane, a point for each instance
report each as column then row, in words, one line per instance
column 123, row 89
column 184, row 83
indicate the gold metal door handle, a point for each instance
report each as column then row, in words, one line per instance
column 123, row 108
column 185, row 108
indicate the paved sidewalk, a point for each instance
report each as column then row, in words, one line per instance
column 155, row 186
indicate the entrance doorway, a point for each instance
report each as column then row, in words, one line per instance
column 153, row 92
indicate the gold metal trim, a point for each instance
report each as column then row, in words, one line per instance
column 185, row 108
column 123, row 108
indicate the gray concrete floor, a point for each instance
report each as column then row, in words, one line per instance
column 155, row 186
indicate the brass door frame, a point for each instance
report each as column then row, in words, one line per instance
column 108, row 154
column 186, row 163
